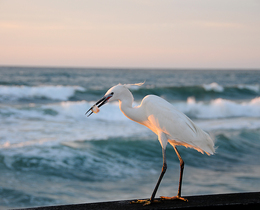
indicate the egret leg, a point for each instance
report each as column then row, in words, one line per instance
column 164, row 168
column 180, row 181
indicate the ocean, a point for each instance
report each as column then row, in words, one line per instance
column 51, row 153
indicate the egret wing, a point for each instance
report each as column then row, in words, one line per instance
column 179, row 129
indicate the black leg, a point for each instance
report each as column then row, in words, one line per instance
column 181, row 171
column 180, row 181
column 164, row 168
column 149, row 201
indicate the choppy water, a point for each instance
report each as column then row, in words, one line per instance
column 51, row 153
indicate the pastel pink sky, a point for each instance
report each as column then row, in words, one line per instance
column 131, row 33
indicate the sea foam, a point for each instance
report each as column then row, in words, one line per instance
column 66, row 110
column 54, row 92
column 221, row 108
column 213, row 87
column 219, row 88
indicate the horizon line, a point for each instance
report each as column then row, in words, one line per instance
column 129, row 68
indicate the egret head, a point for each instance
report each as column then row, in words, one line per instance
column 111, row 95
column 117, row 92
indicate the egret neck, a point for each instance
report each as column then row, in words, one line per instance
column 126, row 106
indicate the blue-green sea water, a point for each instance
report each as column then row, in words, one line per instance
column 51, row 153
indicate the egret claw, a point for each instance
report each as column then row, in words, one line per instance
column 174, row 198
column 145, row 202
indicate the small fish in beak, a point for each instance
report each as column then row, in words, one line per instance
column 95, row 109
column 101, row 102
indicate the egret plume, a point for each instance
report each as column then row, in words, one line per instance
column 136, row 84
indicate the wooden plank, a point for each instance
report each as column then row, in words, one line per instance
column 243, row 200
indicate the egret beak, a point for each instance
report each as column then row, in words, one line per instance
column 100, row 103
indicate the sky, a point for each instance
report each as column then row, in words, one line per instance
column 131, row 33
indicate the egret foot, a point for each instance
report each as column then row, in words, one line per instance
column 174, row 198
column 145, row 202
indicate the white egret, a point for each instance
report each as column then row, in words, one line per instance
column 163, row 119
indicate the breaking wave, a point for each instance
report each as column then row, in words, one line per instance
column 201, row 92
column 221, row 108
column 57, row 92
column 78, row 93
column 110, row 113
